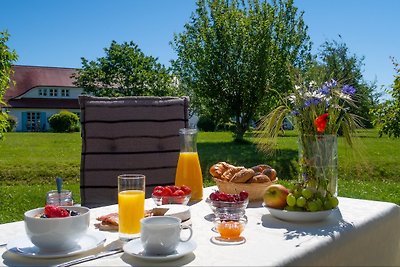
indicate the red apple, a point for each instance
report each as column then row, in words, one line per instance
column 275, row 196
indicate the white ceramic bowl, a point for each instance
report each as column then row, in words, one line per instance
column 56, row 234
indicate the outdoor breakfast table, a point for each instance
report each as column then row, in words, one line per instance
column 360, row 232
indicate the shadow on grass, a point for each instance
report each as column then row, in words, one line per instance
column 284, row 161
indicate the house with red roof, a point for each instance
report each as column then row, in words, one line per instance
column 38, row 93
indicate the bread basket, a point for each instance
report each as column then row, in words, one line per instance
column 255, row 190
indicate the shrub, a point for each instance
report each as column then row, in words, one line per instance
column 12, row 123
column 64, row 121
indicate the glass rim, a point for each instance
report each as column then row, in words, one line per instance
column 188, row 130
column 131, row 176
column 61, row 192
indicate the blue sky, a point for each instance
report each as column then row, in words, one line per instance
column 58, row 33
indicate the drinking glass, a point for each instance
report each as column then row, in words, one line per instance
column 131, row 195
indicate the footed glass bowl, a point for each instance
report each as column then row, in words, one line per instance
column 228, row 210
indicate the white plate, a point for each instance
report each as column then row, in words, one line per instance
column 24, row 247
column 177, row 210
column 300, row 216
column 135, row 248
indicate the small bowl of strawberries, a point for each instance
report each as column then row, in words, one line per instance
column 228, row 206
column 171, row 194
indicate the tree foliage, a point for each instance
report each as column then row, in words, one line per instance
column 124, row 71
column 388, row 113
column 336, row 62
column 233, row 54
column 7, row 57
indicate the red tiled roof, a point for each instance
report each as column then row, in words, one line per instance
column 28, row 77
column 44, row 103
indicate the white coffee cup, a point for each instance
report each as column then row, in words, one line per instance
column 160, row 235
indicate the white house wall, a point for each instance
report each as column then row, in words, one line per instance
column 17, row 114
column 34, row 93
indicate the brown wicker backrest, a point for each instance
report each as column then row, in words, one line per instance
column 128, row 135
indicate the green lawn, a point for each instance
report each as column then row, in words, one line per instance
column 30, row 162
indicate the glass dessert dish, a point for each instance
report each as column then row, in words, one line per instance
column 225, row 210
column 229, row 231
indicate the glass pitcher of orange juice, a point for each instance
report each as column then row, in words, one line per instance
column 188, row 171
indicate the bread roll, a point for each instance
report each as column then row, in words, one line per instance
column 242, row 176
column 271, row 173
column 260, row 178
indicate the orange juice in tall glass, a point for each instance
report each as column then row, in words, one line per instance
column 128, row 217
column 188, row 171
column 131, row 195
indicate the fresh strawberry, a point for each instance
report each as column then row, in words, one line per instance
column 158, row 193
column 167, row 191
column 178, row 192
column 52, row 211
column 158, row 187
column 173, row 187
column 186, row 189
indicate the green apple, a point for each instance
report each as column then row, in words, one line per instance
column 275, row 196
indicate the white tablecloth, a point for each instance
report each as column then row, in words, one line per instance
column 360, row 233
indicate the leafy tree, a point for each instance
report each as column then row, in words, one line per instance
column 124, row 71
column 336, row 62
column 7, row 57
column 388, row 113
column 232, row 57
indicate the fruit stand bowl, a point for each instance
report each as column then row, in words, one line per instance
column 300, row 216
column 255, row 190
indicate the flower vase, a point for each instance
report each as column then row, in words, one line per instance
column 318, row 159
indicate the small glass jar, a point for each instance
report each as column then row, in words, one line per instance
column 64, row 198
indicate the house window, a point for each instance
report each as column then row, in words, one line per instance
column 64, row 92
column 40, row 92
column 33, row 121
column 44, row 92
column 53, row 92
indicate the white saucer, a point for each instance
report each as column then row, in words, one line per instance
column 24, row 247
column 135, row 248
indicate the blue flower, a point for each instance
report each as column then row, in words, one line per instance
column 325, row 90
column 348, row 90
column 295, row 113
column 331, row 83
column 311, row 101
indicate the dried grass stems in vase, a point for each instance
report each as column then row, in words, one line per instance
column 319, row 113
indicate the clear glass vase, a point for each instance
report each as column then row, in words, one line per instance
column 318, row 161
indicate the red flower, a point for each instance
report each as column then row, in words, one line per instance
column 320, row 122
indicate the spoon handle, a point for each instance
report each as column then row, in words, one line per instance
column 59, row 184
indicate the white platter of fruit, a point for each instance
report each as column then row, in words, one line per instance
column 299, row 204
